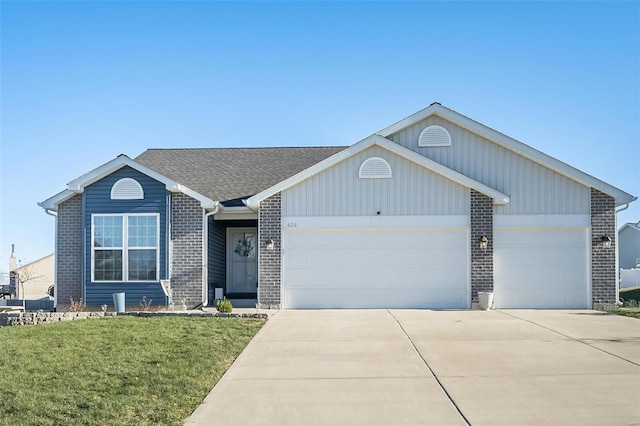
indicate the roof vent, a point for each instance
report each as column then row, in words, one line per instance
column 434, row 136
column 127, row 189
column 375, row 168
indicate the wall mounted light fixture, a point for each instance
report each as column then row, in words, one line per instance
column 606, row 241
column 271, row 245
column 484, row 242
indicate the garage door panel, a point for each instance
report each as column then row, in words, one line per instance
column 541, row 238
column 535, row 256
column 551, row 299
column 384, row 298
column 376, row 269
column 513, row 278
column 541, row 268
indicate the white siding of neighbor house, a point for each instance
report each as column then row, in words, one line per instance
column 533, row 188
column 413, row 190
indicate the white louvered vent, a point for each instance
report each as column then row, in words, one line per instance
column 127, row 189
column 375, row 168
column 434, row 136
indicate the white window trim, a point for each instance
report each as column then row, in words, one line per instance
column 125, row 247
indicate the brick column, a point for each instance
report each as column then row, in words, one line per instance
column 603, row 261
column 69, row 253
column 269, row 261
column 481, row 260
column 186, row 246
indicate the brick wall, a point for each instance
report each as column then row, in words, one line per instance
column 481, row 260
column 603, row 261
column 186, row 246
column 269, row 262
column 69, row 251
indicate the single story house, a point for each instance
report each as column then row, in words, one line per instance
column 32, row 280
column 629, row 245
column 425, row 213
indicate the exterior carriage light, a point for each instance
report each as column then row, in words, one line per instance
column 271, row 245
column 484, row 242
column 606, row 241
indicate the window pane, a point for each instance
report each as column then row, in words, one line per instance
column 142, row 265
column 107, row 231
column 108, row 265
column 142, row 231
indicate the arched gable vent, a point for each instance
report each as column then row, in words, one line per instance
column 375, row 168
column 434, row 136
column 127, row 189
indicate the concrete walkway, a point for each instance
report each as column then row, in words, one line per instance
column 402, row 367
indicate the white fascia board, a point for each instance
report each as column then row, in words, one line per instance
column 511, row 144
column 253, row 202
column 630, row 226
column 434, row 166
column 410, row 120
column 78, row 185
column 499, row 198
column 52, row 202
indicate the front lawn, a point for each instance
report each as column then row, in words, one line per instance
column 116, row 371
column 626, row 312
column 631, row 299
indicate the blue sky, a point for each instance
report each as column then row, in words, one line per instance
column 85, row 81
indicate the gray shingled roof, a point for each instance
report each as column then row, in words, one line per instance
column 232, row 174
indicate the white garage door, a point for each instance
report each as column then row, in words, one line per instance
column 376, row 268
column 541, row 268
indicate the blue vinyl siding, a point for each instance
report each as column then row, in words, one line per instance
column 102, row 293
column 97, row 200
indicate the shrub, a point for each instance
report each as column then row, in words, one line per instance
column 224, row 305
column 145, row 305
column 75, row 305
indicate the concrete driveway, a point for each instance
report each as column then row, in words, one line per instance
column 401, row 367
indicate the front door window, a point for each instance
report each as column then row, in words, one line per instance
column 242, row 257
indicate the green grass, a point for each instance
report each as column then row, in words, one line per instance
column 116, row 371
column 626, row 312
column 627, row 295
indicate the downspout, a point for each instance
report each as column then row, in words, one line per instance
column 51, row 212
column 626, row 206
column 618, row 302
column 205, row 252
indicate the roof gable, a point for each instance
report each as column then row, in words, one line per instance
column 630, row 226
column 498, row 197
column 77, row 185
column 511, row 144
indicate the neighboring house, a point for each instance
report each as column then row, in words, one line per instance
column 629, row 245
column 33, row 279
column 423, row 214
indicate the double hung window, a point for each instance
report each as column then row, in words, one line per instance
column 125, row 247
